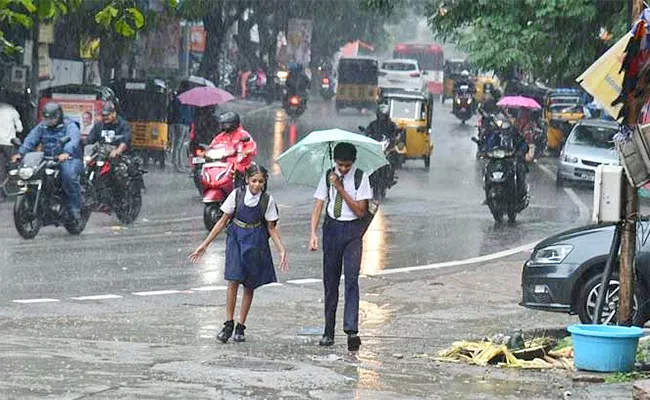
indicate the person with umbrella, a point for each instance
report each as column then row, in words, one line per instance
column 342, row 238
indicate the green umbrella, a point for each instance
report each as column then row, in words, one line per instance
column 306, row 162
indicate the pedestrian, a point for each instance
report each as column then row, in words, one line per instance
column 182, row 117
column 250, row 216
column 10, row 126
column 342, row 238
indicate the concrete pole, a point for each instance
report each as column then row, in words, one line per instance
column 628, row 238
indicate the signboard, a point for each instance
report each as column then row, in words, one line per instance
column 299, row 41
column 164, row 46
column 135, row 86
column 89, row 48
column 46, row 33
column 44, row 62
column 197, row 39
column 84, row 110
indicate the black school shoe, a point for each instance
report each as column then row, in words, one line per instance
column 239, row 333
column 226, row 332
column 326, row 341
column 354, row 342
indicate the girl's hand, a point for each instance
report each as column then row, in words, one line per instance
column 197, row 254
column 284, row 264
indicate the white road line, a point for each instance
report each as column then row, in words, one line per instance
column 582, row 207
column 304, row 281
column 159, row 292
column 274, row 284
column 547, row 170
column 208, row 288
column 98, row 297
column 32, row 301
column 259, row 110
column 449, row 264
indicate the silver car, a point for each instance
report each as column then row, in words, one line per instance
column 589, row 144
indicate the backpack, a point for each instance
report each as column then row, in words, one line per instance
column 373, row 206
column 264, row 202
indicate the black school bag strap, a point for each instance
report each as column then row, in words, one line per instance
column 358, row 177
column 264, row 201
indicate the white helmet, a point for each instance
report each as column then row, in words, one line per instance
column 383, row 109
column 465, row 73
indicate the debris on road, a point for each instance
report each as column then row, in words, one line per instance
column 511, row 352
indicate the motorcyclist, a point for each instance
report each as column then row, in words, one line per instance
column 48, row 133
column 464, row 79
column 297, row 81
column 383, row 125
column 231, row 134
column 113, row 130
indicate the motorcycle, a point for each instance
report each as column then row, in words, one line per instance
column 218, row 178
column 258, row 86
column 39, row 201
column 327, row 88
column 384, row 178
column 112, row 184
column 294, row 105
column 500, row 174
column 463, row 104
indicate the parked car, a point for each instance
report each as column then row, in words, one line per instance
column 590, row 143
column 564, row 272
column 402, row 74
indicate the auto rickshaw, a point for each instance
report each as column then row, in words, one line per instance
column 358, row 83
column 144, row 104
column 562, row 109
column 480, row 83
column 452, row 71
column 412, row 113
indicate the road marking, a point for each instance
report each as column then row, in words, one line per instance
column 583, row 209
column 159, row 292
column 98, row 297
column 449, row 264
column 209, row 288
column 259, row 110
column 32, row 301
column 304, row 281
column 547, row 170
column 274, row 284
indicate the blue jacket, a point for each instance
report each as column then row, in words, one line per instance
column 49, row 138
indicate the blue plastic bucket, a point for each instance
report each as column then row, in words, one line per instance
column 605, row 348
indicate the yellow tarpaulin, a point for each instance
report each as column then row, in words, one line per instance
column 603, row 80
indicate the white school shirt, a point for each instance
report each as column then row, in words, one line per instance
column 364, row 193
column 250, row 200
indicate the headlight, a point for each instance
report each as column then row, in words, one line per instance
column 282, row 74
column 552, row 254
column 87, row 159
column 469, row 101
column 457, row 101
column 497, row 175
column 13, row 172
column 570, row 160
column 26, row 173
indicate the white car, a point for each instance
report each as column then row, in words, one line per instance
column 401, row 74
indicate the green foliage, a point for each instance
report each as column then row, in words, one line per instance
column 624, row 377
column 123, row 16
column 554, row 40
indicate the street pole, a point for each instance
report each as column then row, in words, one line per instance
column 628, row 236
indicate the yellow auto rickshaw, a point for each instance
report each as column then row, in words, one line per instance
column 412, row 114
column 480, row 82
column 453, row 69
column 561, row 111
column 358, row 83
column 144, row 104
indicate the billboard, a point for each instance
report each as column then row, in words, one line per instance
column 163, row 46
column 299, row 41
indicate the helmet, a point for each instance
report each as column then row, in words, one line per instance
column 228, row 121
column 52, row 114
column 382, row 110
column 465, row 73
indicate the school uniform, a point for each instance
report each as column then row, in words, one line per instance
column 342, row 249
column 248, row 253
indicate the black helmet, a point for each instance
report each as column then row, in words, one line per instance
column 52, row 114
column 228, row 121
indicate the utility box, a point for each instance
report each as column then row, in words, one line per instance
column 608, row 193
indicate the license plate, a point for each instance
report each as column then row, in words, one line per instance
column 325, row 86
column 198, row 160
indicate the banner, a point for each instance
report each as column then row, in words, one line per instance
column 164, row 46
column 299, row 41
column 197, row 39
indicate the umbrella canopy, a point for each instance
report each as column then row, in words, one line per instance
column 306, row 162
column 519, row 102
column 604, row 78
column 205, row 96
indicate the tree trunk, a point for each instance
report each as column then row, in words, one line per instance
column 33, row 75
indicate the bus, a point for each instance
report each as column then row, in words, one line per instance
column 431, row 59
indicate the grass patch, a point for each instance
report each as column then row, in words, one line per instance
column 624, row 377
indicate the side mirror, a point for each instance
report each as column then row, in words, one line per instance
column 16, row 142
column 425, row 73
column 64, row 140
column 246, row 139
column 361, row 128
column 475, row 139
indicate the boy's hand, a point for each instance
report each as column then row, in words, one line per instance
column 197, row 254
column 313, row 243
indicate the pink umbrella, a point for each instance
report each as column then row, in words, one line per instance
column 519, row 102
column 205, row 96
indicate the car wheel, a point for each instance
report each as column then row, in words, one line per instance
column 586, row 304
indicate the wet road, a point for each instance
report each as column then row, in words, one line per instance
column 430, row 216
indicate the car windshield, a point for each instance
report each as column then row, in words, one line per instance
column 405, row 109
column 593, row 136
column 398, row 66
